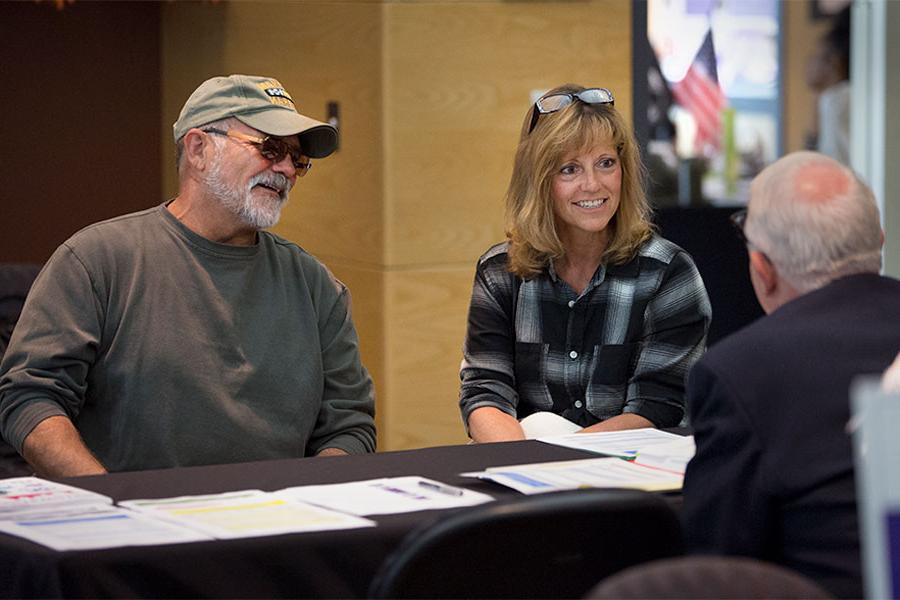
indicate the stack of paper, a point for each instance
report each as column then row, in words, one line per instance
column 68, row 518
column 648, row 447
column 19, row 495
column 247, row 513
column 646, row 459
column 539, row 478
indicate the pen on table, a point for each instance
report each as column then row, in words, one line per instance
column 629, row 455
column 444, row 489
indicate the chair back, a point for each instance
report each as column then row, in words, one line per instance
column 707, row 577
column 545, row 546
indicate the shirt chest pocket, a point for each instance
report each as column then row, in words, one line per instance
column 613, row 364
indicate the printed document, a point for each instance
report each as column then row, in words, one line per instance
column 386, row 496
column 18, row 494
column 98, row 528
column 625, row 444
column 247, row 513
column 539, row 478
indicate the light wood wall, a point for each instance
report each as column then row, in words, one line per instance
column 457, row 83
column 432, row 97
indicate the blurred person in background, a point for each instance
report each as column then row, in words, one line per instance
column 828, row 76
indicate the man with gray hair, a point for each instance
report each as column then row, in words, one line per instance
column 185, row 334
column 773, row 474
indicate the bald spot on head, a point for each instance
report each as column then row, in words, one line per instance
column 814, row 219
column 819, row 182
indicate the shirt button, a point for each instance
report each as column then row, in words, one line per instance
column 578, row 404
column 571, row 303
column 573, row 354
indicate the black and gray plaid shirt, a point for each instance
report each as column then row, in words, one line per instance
column 623, row 346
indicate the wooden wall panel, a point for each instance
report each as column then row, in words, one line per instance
column 192, row 40
column 425, row 322
column 458, row 78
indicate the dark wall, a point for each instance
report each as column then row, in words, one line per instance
column 80, row 119
column 708, row 236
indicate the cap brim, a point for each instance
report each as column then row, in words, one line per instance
column 317, row 139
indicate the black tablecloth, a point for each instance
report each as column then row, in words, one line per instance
column 323, row 565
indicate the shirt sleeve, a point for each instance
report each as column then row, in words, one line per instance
column 487, row 370
column 346, row 418
column 725, row 508
column 44, row 371
column 676, row 321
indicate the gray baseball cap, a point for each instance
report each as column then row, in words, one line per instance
column 260, row 102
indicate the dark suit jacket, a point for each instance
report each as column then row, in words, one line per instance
column 773, row 473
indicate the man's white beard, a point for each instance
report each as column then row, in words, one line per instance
column 257, row 212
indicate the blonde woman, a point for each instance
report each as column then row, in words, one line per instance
column 583, row 313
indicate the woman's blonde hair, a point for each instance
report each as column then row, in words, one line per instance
column 530, row 219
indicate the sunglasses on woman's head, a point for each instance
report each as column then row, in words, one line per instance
column 554, row 102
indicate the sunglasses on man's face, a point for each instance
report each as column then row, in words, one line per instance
column 271, row 148
column 738, row 218
column 554, row 102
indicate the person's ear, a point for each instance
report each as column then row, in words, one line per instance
column 766, row 273
column 196, row 149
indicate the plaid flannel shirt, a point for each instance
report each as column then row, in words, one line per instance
column 625, row 345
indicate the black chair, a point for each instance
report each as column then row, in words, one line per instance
column 15, row 281
column 707, row 577
column 546, row 546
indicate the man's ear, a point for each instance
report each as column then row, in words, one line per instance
column 196, row 147
column 766, row 273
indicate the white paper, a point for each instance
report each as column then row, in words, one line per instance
column 539, row 478
column 672, row 457
column 107, row 528
column 385, row 496
column 29, row 493
column 247, row 513
column 544, row 424
column 626, row 443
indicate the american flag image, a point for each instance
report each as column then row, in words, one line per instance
column 700, row 94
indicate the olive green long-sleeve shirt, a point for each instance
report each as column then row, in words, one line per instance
column 166, row 349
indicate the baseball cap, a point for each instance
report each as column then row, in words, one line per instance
column 260, row 102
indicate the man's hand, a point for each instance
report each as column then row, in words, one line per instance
column 620, row 422
column 55, row 449
column 331, row 452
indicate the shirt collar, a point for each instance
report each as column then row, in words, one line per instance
column 596, row 279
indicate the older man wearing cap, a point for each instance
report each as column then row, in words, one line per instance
column 184, row 334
